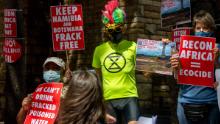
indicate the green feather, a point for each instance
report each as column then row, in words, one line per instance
column 105, row 20
column 118, row 16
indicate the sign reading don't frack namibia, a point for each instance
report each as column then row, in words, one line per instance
column 45, row 104
column 197, row 61
column 67, row 27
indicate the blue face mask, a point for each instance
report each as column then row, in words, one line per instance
column 51, row 76
column 203, row 34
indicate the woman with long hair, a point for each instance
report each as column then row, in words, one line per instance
column 83, row 103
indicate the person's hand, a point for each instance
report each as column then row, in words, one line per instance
column 67, row 76
column 110, row 119
column 215, row 85
column 216, row 51
column 165, row 40
column 174, row 61
column 26, row 103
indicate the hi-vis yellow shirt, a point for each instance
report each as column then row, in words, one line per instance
column 117, row 63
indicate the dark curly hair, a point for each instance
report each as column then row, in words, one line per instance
column 83, row 103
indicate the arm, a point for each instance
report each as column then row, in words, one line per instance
column 26, row 104
column 110, row 119
column 175, row 64
column 216, row 52
column 99, row 72
column 21, row 116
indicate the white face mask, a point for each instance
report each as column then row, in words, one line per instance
column 51, row 76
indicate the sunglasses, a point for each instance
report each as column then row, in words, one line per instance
column 116, row 29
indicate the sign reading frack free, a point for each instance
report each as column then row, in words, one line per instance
column 67, row 27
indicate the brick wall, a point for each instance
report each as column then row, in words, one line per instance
column 143, row 21
column 157, row 93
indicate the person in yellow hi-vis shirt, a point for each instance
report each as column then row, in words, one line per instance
column 114, row 62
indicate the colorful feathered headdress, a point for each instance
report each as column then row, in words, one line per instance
column 112, row 14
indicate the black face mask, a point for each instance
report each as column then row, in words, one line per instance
column 116, row 37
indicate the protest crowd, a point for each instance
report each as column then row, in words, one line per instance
column 185, row 60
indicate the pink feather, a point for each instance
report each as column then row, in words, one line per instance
column 109, row 9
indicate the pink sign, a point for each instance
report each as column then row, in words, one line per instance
column 10, row 26
column 67, row 27
column 45, row 104
column 11, row 50
column 176, row 33
column 197, row 61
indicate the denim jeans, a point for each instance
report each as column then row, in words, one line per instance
column 214, row 115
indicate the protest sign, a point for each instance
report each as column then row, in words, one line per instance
column 174, row 12
column 10, row 24
column 197, row 61
column 11, row 50
column 147, row 120
column 45, row 104
column 176, row 33
column 153, row 56
column 67, row 27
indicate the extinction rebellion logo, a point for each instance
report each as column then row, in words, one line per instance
column 114, row 62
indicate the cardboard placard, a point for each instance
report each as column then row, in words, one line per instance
column 10, row 23
column 11, row 50
column 67, row 27
column 45, row 104
column 197, row 61
column 153, row 56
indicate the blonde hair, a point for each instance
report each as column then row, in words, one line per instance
column 204, row 17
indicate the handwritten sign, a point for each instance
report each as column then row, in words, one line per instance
column 67, row 27
column 11, row 50
column 10, row 24
column 45, row 104
column 197, row 61
column 153, row 56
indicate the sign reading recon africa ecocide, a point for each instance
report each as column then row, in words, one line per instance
column 67, row 27
column 197, row 61
column 45, row 104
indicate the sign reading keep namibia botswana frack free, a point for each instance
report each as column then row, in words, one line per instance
column 197, row 61
column 67, row 27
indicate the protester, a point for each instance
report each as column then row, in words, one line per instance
column 114, row 62
column 198, row 104
column 53, row 71
column 83, row 103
